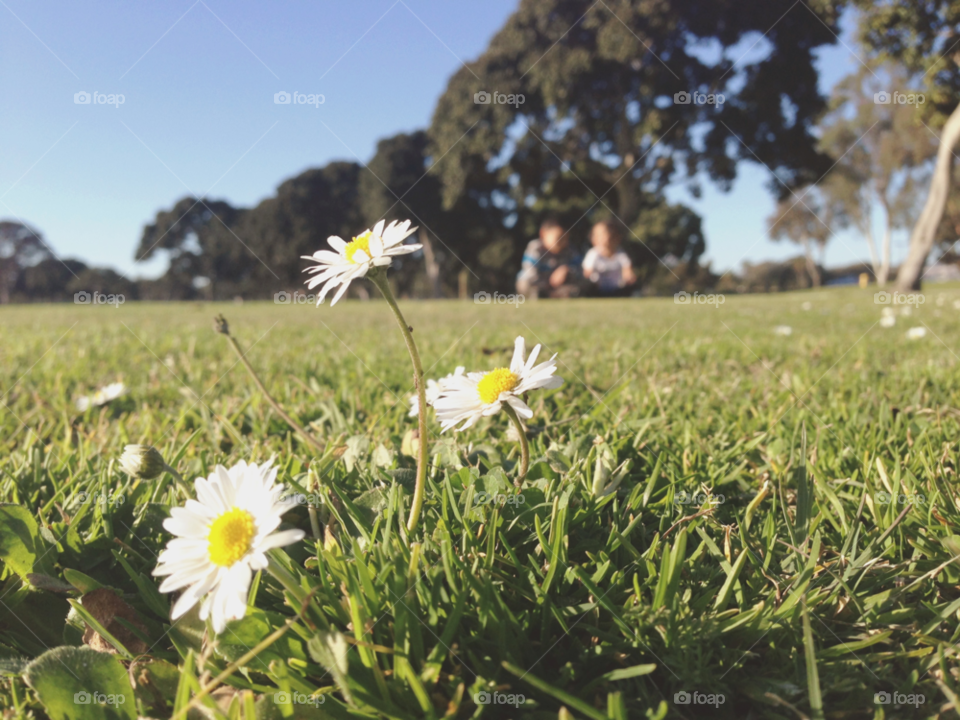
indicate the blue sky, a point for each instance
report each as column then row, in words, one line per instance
column 198, row 79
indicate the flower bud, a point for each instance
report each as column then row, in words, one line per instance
column 142, row 461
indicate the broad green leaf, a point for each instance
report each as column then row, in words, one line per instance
column 82, row 684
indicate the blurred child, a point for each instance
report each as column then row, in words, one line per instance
column 550, row 267
column 606, row 266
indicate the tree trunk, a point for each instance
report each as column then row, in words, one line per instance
column 925, row 231
column 883, row 274
column 866, row 227
column 430, row 260
column 811, row 263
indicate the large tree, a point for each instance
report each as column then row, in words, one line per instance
column 297, row 221
column 601, row 126
column 924, row 37
column 397, row 185
column 809, row 220
column 20, row 247
column 222, row 251
column 880, row 151
column 197, row 235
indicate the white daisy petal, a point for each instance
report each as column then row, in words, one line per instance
column 376, row 246
column 220, row 540
column 519, row 351
column 466, row 398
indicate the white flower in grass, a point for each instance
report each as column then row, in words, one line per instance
column 915, row 333
column 142, row 461
column 467, row 398
column 432, row 391
column 783, row 330
column 221, row 538
column 104, row 395
column 354, row 259
column 888, row 318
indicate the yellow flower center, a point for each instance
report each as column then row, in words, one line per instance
column 494, row 383
column 230, row 536
column 361, row 242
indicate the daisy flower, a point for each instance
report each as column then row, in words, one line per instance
column 469, row 397
column 433, row 389
column 221, row 538
column 915, row 333
column 783, row 330
column 102, row 396
column 888, row 317
column 354, row 259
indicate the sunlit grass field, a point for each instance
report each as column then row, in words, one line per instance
column 779, row 546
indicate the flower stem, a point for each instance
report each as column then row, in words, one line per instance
column 223, row 329
column 379, row 278
column 524, row 447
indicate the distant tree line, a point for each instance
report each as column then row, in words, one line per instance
column 610, row 118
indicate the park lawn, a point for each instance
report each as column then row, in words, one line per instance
column 779, row 544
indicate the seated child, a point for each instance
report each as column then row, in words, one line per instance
column 606, row 266
column 550, row 267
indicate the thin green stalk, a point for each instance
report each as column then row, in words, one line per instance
column 379, row 278
column 181, row 483
column 524, row 447
column 205, row 690
column 220, row 323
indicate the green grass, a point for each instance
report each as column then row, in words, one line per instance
column 803, row 600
